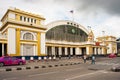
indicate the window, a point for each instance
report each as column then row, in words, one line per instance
column 28, row 19
column 24, row 18
column 28, row 36
column 20, row 18
column 31, row 20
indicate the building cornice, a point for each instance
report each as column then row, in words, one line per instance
column 22, row 12
column 23, row 24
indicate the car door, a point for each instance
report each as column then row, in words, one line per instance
column 7, row 61
column 14, row 60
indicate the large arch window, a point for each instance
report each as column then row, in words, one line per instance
column 28, row 36
column 66, row 32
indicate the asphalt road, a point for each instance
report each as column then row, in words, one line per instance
column 69, row 72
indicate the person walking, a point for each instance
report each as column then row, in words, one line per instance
column 84, row 58
column 93, row 59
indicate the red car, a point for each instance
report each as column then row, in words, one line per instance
column 8, row 60
column 112, row 55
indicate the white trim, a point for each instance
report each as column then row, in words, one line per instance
column 64, row 22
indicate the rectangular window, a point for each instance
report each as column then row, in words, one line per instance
column 24, row 18
column 31, row 20
column 28, row 19
column 20, row 18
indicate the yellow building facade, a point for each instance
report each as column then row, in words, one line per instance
column 25, row 34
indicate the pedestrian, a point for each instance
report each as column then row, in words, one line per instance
column 93, row 59
column 84, row 58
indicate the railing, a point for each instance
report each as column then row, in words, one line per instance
column 3, row 36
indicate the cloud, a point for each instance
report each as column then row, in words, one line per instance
column 94, row 13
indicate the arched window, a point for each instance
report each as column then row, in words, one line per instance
column 28, row 36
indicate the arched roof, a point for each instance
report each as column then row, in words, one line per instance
column 65, row 22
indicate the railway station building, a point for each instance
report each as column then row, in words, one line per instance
column 24, row 34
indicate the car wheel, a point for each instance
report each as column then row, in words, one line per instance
column 20, row 63
column 1, row 64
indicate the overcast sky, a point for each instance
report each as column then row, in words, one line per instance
column 101, row 15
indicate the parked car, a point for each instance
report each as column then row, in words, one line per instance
column 112, row 55
column 8, row 60
column 118, row 55
column 116, row 68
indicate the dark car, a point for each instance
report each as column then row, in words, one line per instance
column 116, row 68
column 8, row 60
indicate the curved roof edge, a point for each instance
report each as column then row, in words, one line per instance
column 65, row 22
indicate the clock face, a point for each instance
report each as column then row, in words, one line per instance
column 73, row 30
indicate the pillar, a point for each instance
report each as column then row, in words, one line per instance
column 103, row 51
column 71, row 51
column 95, row 51
column 46, row 50
column 80, row 51
column 53, row 50
column 66, row 53
column 2, row 49
column 89, row 50
column 60, row 50
column 77, row 51
column 42, row 43
column 13, row 41
column 38, row 44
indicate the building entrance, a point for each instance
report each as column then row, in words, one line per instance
column 3, row 49
column 0, row 49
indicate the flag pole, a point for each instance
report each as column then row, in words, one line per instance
column 72, row 13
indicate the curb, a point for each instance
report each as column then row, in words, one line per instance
column 36, row 67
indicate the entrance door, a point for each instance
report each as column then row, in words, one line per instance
column 56, row 52
column 83, row 51
column 74, row 51
column 0, row 49
column 5, row 49
column 28, row 50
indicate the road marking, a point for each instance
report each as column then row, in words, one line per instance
column 73, row 69
column 42, row 74
column 85, row 75
column 10, row 78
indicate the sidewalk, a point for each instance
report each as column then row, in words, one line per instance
column 42, row 64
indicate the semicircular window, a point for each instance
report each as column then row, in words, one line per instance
column 28, row 36
column 66, row 33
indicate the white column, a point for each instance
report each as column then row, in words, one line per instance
column 109, row 50
column 95, row 51
column 42, row 43
column 103, row 51
column 60, row 51
column 46, row 50
column 66, row 53
column 53, row 50
column 11, row 41
column 87, row 50
column 71, row 51
column 80, row 51
column 99, row 51
column 2, row 49
column 77, row 51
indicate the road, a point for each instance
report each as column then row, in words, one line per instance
column 69, row 72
